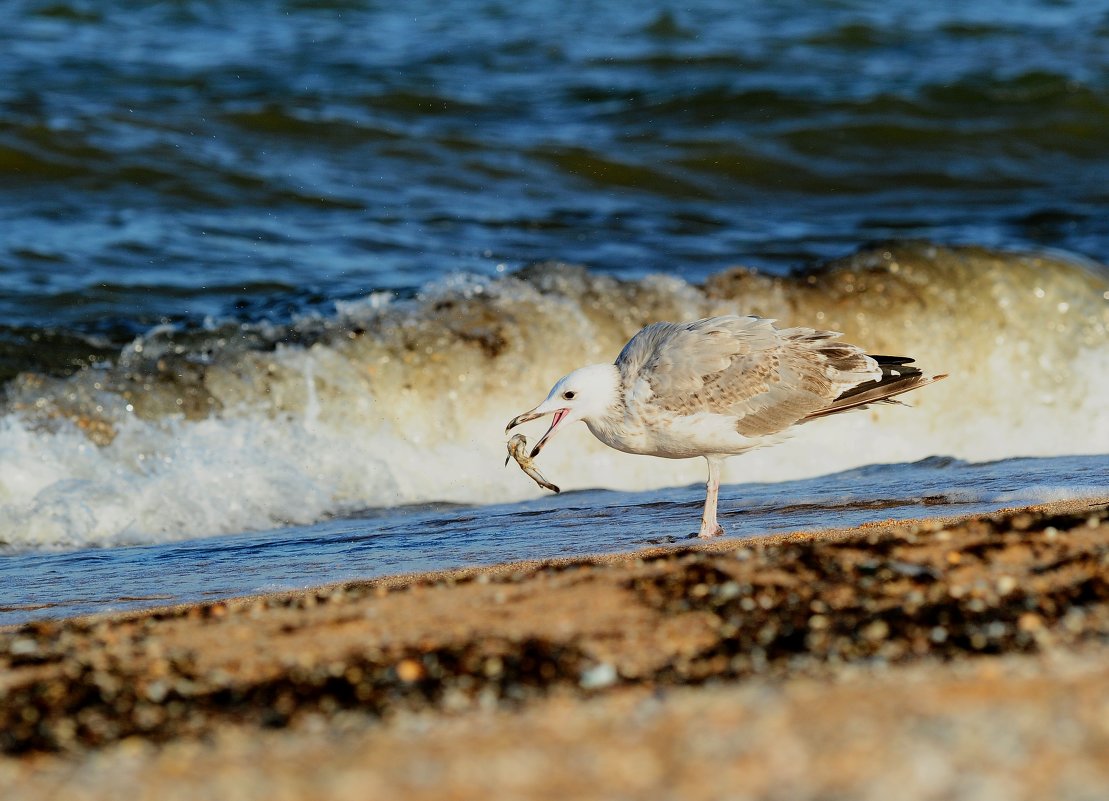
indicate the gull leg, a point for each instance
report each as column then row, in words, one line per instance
column 709, row 526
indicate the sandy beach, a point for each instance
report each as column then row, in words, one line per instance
column 964, row 659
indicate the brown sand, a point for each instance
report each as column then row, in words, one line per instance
column 933, row 660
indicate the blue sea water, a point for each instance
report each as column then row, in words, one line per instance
column 265, row 266
column 190, row 158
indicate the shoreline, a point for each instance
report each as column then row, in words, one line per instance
column 481, row 660
column 469, row 572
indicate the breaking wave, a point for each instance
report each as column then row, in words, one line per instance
column 387, row 402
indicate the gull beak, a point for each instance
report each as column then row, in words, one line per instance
column 534, row 414
column 523, row 418
column 558, row 416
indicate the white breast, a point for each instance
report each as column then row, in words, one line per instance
column 651, row 431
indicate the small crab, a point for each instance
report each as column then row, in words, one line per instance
column 518, row 450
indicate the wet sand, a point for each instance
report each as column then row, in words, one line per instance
column 934, row 659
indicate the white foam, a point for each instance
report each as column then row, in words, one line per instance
column 171, row 479
column 414, row 410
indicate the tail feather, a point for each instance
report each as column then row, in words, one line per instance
column 899, row 376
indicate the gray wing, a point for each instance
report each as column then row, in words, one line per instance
column 768, row 379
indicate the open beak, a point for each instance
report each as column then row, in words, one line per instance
column 559, row 414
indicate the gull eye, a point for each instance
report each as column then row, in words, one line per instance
column 569, row 394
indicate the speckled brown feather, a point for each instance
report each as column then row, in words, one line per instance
column 768, row 379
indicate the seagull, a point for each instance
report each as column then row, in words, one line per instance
column 719, row 387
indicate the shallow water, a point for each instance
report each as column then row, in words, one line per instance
column 411, row 539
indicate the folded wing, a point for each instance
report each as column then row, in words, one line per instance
column 767, row 379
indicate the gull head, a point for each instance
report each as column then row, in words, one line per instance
column 588, row 393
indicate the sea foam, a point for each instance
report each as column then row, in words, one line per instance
column 383, row 403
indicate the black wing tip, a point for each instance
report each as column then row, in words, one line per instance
column 884, row 390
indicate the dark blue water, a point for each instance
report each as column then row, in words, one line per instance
column 255, row 159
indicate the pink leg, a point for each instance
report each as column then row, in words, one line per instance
column 709, row 526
